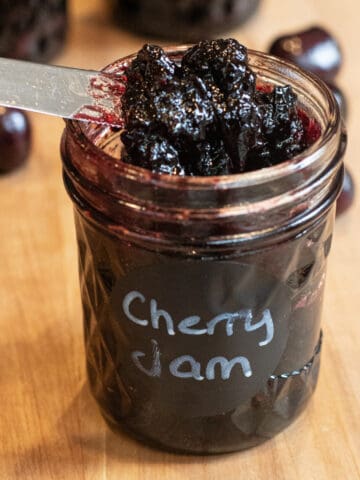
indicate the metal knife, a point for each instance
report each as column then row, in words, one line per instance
column 65, row 92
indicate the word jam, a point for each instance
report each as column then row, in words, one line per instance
column 186, row 366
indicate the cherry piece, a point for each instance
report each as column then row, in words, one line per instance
column 347, row 194
column 340, row 98
column 313, row 49
column 206, row 116
column 15, row 139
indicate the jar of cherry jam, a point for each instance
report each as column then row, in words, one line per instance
column 32, row 30
column 202, row 296
column 182, row 20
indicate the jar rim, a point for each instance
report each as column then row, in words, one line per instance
column 295, row 164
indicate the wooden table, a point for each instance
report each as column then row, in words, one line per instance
column 49, row 425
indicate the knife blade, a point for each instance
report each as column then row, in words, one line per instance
column 66, row 92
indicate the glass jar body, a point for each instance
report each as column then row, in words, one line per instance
column 202, row 413
column 185, row 21
column 202, row 296
column 33, row 31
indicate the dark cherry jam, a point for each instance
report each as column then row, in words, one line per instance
column 183, row 20
column 207, row 116
column 202, row 294
column 33, row 30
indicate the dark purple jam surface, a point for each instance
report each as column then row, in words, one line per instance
column 208, row 115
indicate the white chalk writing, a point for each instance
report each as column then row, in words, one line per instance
column 187, row 366
column 187, row 324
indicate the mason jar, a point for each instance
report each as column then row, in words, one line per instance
column 182, row 20
column 32, row 29
column 202, row 296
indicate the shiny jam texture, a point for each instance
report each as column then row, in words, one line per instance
column 208, row 115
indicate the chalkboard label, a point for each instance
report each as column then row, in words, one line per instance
column 199, row 337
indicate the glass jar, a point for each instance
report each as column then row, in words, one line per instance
column 32, row 29
column 183, row 20
column 202, row 295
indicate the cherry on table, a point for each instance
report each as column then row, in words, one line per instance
column 340, row 98
column 314, row 49
column 15, row 138
column 347, row 194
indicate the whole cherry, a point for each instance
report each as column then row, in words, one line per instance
column 340, row 98
column 15, row 139
column 314, row 49
column 347, row 194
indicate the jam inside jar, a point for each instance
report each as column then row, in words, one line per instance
column 202, row 295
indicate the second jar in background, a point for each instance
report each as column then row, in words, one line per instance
column 32, row 29
column 183, row 20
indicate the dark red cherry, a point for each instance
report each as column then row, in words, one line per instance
column 15, row 138
column 314, row 49
column 340, row 98
column 347, row 194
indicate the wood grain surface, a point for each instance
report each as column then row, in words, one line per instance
column 49, row 425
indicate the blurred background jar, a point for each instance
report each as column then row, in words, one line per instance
column 32, row 29
column 182, row 20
